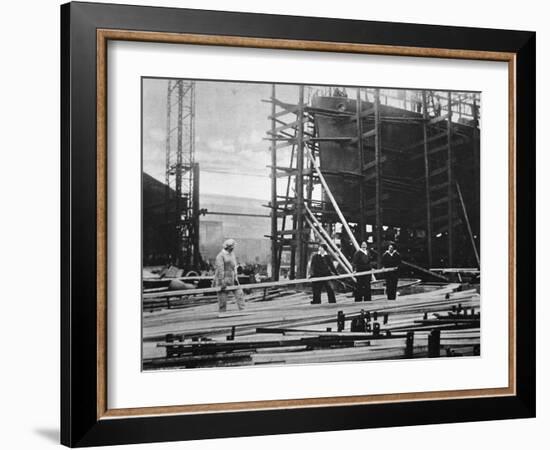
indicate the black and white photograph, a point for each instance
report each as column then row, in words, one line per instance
column 275, row 225
column 300, row 224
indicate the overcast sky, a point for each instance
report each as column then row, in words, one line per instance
column 230, row 126
column 231, row 121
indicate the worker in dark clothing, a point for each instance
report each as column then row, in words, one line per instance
column 437, row 108
column 321, row 266
column 391, row 258
column 340, row 92
column 361, row 263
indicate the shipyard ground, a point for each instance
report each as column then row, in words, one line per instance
column 280, row 326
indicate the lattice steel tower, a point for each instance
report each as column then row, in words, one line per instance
column 182, row 175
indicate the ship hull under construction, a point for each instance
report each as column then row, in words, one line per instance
column 410, row 182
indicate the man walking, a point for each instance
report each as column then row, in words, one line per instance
column 391, row 258
column 226, row 275
column 361, row 263
column 321, row 266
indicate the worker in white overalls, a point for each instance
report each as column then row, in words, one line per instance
column 226, row 275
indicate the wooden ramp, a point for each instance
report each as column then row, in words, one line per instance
column 282, row 327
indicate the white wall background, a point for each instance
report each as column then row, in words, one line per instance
column 29, row 231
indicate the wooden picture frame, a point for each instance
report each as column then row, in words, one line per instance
column 85, row 416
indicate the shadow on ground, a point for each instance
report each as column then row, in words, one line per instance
column 50, row 434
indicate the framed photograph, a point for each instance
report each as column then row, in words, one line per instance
column 278, row 224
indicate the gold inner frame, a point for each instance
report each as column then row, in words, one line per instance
column 104, row 35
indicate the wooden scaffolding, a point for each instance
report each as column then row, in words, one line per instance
column 298, row 220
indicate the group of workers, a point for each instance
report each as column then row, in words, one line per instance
column 321, row 265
